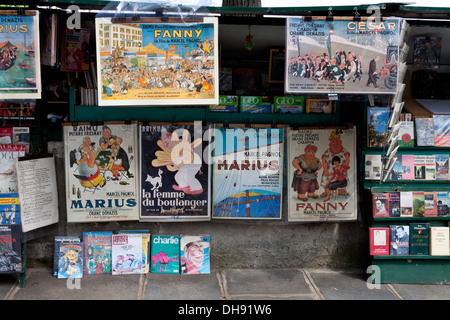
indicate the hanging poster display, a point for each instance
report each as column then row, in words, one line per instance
column 322, row 174
column 341, row 56
column 175, row 173
column 101, row 168
column 247, row 172
column 19, row 55
column 157, row 63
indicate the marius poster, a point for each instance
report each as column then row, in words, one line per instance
column 157, row 63
column 101, row 168
column 341, row 56
column 175, row 172
column 247, row 172
column 19, row 56
column 322, row 174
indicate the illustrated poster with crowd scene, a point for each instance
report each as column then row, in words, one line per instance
column 157, row 63
column 19, row 55
column 322, row 174
column 247, row 173
column 341, row 56
column 101, row 168
column 175, row 172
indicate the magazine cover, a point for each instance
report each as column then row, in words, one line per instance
column 9, row 208
column 75, row 50
column 441, row 124
column 175, row 175
column 127, row 253
column 70, row 260
column 97, row 252
column 427, row 52
column 57, row 243
column 10, row 248
column 162, row 64
column 20, row 59
column 146, row 237
column 377, row 126
column 322, row 176
column 195, row 254
column 8, row 176
column 248, row 172
column 165, row 254
column 341, row 56
column 101, row 163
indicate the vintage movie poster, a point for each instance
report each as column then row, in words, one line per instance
column 157, row 63
column 175, row 172
column 19, row 56
column 247, row 172
column 341, row 56
column 322, row 174
column 101, row 167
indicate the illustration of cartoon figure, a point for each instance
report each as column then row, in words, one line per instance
column 179, row 156
column 156, row 182
column 338, row 180
column 163, row 259
column 88, row 171
column 305, row 178
column 68, row 264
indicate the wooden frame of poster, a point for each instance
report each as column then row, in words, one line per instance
column 20, row 55
column 325, row 189
column 165, row 62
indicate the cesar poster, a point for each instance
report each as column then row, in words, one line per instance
column 157, row 63
column 247, row 172
column 322, row 174
column 175, row 173
column 101, row 167
column 19, row 55
column 341, row 56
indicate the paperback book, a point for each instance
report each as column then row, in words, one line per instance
column 418, row 203
column 406, row 204
column 408, row 172
column 419, row 238
column 9, row 208
column 442, row 166
column 430, row 207
column 406, row 134
column 373, row 167
column 195, row 254
column 399, row 240
column 394, row 204
column 165, row 254
column 379, row 241
column 424, row 132
column 380, row 203
column 10, row 248
column 439, row 241
column 441, row 124
column 442, row 203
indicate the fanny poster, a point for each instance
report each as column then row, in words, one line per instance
column 341, row 56
column 101, row 167
column 175, row 172
column 19, row 55
column 157, row 63
column 322, row 174
column 247, row 172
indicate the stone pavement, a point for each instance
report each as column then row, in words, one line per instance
column 220, row 285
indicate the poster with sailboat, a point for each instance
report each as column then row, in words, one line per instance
column 322, row 174
column 247, row 172
column 157, row 63
column 175, row 172
column 342, row 55
column 19, row 55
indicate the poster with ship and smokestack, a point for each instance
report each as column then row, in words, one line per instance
column 247, row 172
column 19, row 55
column 342, row 55
column 322, row 174
column 165, row 63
